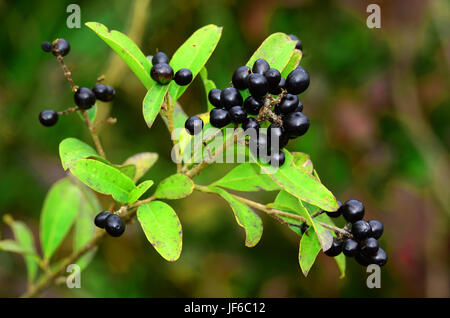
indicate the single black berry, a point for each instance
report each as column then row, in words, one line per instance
column 296, row 124
column 160, row 58
column 251, row 123
column 252, row 105
column 303, row 227
column 162, row 73
column 297, row 81
column 377, row 228
column 60, row 47
column 363, row 259
column 337, row 213
column 48, row 117
column 214, row 97
column 103, row 92
column 353, row 210
column 277, row 158
column 380, row 258
column 238, row 114
column 277, row 137
column 46, row 46
column 361, row 230
column 350, row 248
column 260, row 66
column 288, row 104
column 240, row 77
column 299, row 45
column 193, row 125
column 84, row 98
column 335, row 249
column 277, row 90
column 100, row 219
column 183, row 77
column 114, row 225
column 230, row 97
column 259, row 146
column 257, row 85
column 273, row 77
column 219, row 117
column 369, row 246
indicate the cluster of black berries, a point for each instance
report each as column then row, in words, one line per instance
column 84, row 97
column 112, row 223
column 364, row 245
column 284, row 112
column 162, row 72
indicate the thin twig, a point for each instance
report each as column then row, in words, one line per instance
column 94, row 135
column 67, row 72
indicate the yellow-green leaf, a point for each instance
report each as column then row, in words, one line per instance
column 176, row 186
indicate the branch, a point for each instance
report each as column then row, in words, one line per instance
column 94, row 135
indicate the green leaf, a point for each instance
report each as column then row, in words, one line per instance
column 208, row 84
column 103, row 178
column 12, row 246
column 247, row 177
column 277, row 50
column 128, row 51
column 289, row 203
column 162, row 228
column 72, row 149
column 193, row 54
column 308, row 251
column 153, row 101
column 176, row 186
column 298, row 182
column 302, row 160
column 292, row 64
column 245, row 217
column 139, row 191
column 143, row 162
column 84, row 225
column 128, row 170
column 25, row 239
column 58, row 214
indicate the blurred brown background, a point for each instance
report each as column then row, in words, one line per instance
column 379, row 107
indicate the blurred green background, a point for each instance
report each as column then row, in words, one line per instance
column 379, row 107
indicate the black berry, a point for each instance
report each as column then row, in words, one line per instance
column 303, row 227
column 251, row 123
column 46, row 46
column 260, row 66
column 214, row 97
column 377, row 228
column 369, row 246
column 337, row 213
column 183, row 77
column 335, row 249
column 100, row 219
column 219, row 117
column 257, row 85
column 240, row 77
column 160, row 58
column 230, row 97
column 238, row 114
column 259, row 146
column 299, row 45
column 84, row 98
column 361, row 230
column 288, row 104
column 297, row 81
column 193, row 125
column 296, row 124
column 273, row 77
column 277, row 158
column 252, row 105
column 60, row 47
column 299, row 107
column 277, row 137
column 350, row 248
column 103, row 92
column 114, row 225
column 48, row 117
column 353, row 210
column 362, row 259
column 277, row 90
column 162, row 73
column 380, row 258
